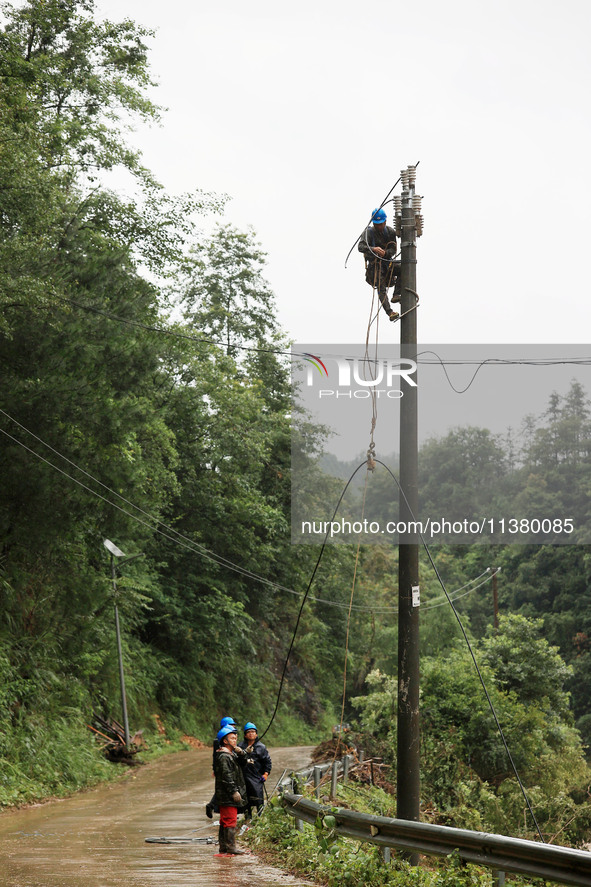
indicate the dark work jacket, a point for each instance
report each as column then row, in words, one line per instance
column 373, row 237
column 258, row 761
column 216, row 745
column 229, row 778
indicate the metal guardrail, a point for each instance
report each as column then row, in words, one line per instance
column 503, row 854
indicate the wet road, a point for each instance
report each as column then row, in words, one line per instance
column 97, row 839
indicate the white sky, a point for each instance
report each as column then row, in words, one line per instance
column 305, row 114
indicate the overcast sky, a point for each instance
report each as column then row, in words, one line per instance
column 306, row 113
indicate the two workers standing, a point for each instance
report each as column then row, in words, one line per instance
column 241, row 771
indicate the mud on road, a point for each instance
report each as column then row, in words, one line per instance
column 98, row 838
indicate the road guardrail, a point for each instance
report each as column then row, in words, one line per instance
column 563, row 865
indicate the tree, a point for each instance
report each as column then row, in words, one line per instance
column 464, row 473
column 225, row 293
column 525, row 663
column 459, row 733
column 84, row 378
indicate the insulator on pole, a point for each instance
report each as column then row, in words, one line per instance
column 405, row 179
column 419, row 225
column 398, row 214
column 412, row 175
column 416, row 204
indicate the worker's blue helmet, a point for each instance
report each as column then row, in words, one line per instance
column 225, row 731
column 225, row 721
column 250, row 726
column 378, row 216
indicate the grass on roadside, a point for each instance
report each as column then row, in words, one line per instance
column 320, row 856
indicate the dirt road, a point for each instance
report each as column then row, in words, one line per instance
column 97, row 838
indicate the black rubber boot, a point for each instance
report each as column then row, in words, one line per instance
column 222, row 839
column 208, row 811
column 231, row 843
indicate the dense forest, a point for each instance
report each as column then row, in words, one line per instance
column 147, row 400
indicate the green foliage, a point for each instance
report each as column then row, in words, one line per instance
column 524, row 662
column 461, row 470
column 225, row 292
column 166, row 444
column 318, row 854
column 466, row 772
column 179, row 446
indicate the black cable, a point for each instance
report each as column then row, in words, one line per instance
column 315, row 570
column 152, row 523
column 491, row 361
column 177, row 538
column 459, row 621
column 498, row 361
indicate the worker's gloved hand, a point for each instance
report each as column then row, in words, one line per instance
column 239, row 751
column 263, row 778
column 237, row 797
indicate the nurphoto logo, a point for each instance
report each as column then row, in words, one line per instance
column 365, row 373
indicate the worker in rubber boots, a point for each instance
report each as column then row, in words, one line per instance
column 378, row 245
column 211, row 807
column 257, row 768
column 230, row 789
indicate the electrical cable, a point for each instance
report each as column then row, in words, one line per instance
column 369, row 468
column 454, row 594
column 463, row 630
column 315, row 570
column 176, row 537
column 497, row 361
column 458, row 597
column 155, row 526
column 534, row 362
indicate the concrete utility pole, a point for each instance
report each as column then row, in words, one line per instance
column 409, row 225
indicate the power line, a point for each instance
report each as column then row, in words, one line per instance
column 456, row 597
column 170, row 533
column 497, row 362
column 305, row 597
column 153, row 523
column 295, row 355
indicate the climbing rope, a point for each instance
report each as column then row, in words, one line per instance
column 350, row 609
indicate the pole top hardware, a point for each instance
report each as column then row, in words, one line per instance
column 110, row 546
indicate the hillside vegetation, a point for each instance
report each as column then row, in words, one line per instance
column 146, row 400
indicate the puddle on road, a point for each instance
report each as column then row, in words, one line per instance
column 98, row 838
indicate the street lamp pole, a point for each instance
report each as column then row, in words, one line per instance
column 116, row 552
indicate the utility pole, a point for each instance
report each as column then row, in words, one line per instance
column 409, row 225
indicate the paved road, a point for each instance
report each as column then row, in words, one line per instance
column 97, row 838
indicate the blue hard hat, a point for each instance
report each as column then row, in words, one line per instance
column 225, row 731
column 378, row 216
column 250, row 726
column 225, row 721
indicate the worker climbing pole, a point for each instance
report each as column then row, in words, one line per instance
column 378, row 245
